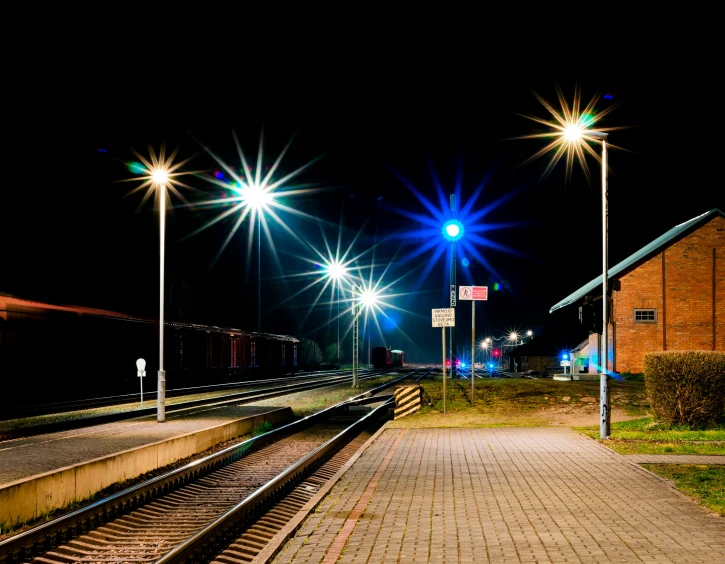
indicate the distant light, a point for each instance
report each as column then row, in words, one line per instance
column 453, row 230
column 496, row 286
column 219, row 174
column 102, row 151
column 565, row 356
column 380, row 198
column 465, row 262
column 609, row 96
column 463, row 364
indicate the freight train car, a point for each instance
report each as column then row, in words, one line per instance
column 56, row 352
column 382, row 357
column 397, row 357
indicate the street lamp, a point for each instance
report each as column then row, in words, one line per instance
column 159, row 175
column 257, row 197
column 484, row 350
column 572, row 130
column 575, row 133
column 338, row 272
column 367, row 298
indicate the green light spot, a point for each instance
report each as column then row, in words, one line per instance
column 136, row 167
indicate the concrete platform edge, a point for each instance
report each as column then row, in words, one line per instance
column 28, row 498
column 277, row 542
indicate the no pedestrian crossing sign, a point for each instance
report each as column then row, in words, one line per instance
column 473, row 292
column 444, row 317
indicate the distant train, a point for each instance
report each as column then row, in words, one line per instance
column 383, row 357
column 56, row 351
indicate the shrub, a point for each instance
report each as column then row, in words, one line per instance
column 686, row 387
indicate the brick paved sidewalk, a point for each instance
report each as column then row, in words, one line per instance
column 502, row 495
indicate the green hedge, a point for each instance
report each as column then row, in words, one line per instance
column 686, row 387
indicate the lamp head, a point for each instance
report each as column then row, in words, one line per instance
column 141, row 365
column 452, row 230
column 160, row 176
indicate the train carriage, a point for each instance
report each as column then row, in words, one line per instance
column 62, row 349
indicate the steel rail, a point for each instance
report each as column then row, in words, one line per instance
column 11, row 412
column 208, row 542
column 45, row 537
column 251, row 395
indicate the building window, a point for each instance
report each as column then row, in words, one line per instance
column 645, row 316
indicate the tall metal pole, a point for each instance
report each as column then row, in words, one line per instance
column 355, row 338
column 604, row 427
column 444, row 368
column 161, row 386
column 473, row 345
column 338, row 325
column 259, row 273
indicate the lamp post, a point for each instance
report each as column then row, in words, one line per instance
column 338, row 272
column 577, row 134
column 257, row 196
column 573, row 128
column 159, row 177
column 355, row 334
column 368, row 298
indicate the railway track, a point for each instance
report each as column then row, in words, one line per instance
column 21, row 411
column 222, row 508
column 234, row 398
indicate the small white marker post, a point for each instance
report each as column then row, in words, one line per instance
column 445, row 317
column 141, row 368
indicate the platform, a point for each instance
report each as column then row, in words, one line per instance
column 45, row 472
column 497, row 495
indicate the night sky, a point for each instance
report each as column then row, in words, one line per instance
column 72, row 235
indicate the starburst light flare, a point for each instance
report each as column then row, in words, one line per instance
column 571, row 131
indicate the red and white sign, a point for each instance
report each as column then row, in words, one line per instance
column 473, row 292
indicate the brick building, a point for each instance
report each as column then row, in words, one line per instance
column 668, row 296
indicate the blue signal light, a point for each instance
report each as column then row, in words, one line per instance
column 452, row 230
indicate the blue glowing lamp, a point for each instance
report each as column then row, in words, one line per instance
column 452, row 230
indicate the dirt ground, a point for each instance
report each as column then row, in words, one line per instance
column 582, row 417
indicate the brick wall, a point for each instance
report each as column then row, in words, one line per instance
column 678, row 283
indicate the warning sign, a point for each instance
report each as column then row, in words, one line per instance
column 473, row 292
column 445, row 317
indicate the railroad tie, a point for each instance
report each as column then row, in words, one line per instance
column 407, row 400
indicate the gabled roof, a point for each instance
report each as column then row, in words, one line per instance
column 653, row 248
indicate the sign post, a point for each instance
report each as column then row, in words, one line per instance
column 444, row 317
column 473, row 293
